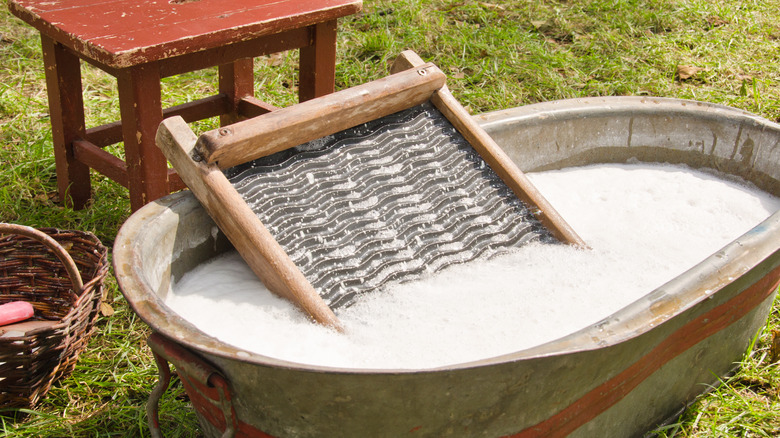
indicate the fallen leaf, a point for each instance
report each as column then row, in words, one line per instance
column 106, row 309
column 456, row 73
column 774, row 348
column 490, row 6
column 716, row 21
column 687, row 71
column 451, row 6
column 275, row 59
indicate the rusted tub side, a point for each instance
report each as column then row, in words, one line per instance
column 617, row 378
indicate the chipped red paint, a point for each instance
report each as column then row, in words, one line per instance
column 122, row 33
column 205, row 399
column 612, row 391
column 206, row 387
column 140, row 42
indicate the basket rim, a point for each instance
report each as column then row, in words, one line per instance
column 69, row 334
column 49, row 242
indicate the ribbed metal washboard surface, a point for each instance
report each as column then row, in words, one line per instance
column 387, row 201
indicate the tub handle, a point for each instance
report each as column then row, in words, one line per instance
column 194, row 373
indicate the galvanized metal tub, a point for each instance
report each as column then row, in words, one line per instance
column 619, row 377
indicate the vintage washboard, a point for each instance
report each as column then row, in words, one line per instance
column 379, row 183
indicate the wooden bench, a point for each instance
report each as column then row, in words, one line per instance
column 140, row 42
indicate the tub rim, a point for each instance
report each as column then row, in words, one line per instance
column 619, row 106
column 736, row 258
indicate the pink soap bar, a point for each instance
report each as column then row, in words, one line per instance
column 15, row 311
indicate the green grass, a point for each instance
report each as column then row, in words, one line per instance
column 497, row 54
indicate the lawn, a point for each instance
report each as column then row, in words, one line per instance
column 497, row 54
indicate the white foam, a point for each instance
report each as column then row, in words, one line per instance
column 645, row 224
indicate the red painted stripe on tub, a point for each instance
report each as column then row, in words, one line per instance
column 205, row 399
column 610, row 392
column 206, row 387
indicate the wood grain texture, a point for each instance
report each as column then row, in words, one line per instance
column 251, row 239
column 141, row 111
column 236, row 81
column 317, row 118
column 317, row 72
column 102, row 161
column 66, row 106
column 251, row 106
column 122, row 33
column 406, row 60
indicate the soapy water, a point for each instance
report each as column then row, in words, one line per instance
column 645, row 225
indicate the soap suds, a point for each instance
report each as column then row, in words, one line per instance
column 645, row 225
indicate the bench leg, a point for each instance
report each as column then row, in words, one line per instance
column 141, row 110
column 66, row 109
column 236, row 81
column 318, row 63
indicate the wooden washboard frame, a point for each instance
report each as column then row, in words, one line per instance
column 201, row 161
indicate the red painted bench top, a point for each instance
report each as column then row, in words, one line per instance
column 123, row 33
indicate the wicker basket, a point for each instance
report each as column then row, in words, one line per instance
column 61, row 274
